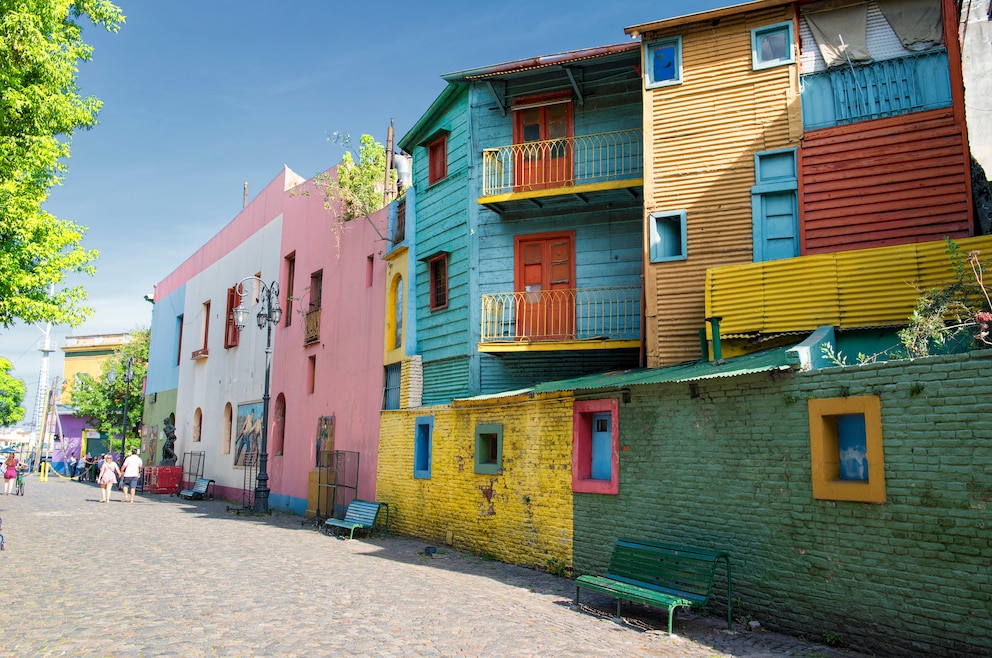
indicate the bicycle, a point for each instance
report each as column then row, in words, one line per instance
column 19, row 483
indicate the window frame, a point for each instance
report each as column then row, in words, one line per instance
column 583, row 412
column 484, row 449
column 825, row 455
column 756, row 33
column 655, row 236
column 649, row 48
column 437, row 159
column 437, row 260
column 423, row 448
column 232, row 335
column 290, row 283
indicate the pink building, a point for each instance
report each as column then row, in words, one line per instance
column 326, row 377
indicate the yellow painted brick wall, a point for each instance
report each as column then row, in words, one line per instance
column 522, row 515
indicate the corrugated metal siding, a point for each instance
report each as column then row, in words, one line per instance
column 868, row 288
column 446, row 380
column 878, row 183
column 700, row 143
column 512, row 371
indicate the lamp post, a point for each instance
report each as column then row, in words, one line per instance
column 128, row 378
column 268, row 315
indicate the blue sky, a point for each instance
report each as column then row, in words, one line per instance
column 202, row 97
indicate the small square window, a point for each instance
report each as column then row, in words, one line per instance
column 772, row 45
column 437, row 159
column 668, row 236
column 438, row 272
column 488, row 449
column 422, row 447
column 846, row 449
column 663, row 62
column 595, row 447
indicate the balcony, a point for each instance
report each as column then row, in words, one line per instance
column 877, row 89
column 594, row 167
column 572, row 319
column 311, row 329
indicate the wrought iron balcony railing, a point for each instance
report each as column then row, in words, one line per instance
column 556, row 163
column 562, row 315
column 311, row 332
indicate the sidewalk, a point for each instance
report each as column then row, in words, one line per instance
column 169, row 577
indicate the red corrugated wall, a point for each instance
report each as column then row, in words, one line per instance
column 890, row 181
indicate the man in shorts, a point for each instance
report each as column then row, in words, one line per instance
column 130, row 472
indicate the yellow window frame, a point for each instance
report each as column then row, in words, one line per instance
column 825, row 453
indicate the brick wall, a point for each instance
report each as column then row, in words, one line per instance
column 730, row 469
column 520, row 515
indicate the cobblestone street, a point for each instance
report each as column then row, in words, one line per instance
column 168, row 577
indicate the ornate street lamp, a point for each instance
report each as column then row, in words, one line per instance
column 268, row 315
column 128, row 378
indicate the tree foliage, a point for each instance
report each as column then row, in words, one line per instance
column 41, row 46
column 960, row 310
column 101, row 401
column 11, row 395
column 359, row 187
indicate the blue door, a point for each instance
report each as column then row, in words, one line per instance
column 775, row 206
column 602, row 447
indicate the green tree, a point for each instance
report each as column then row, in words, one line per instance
column 11, row 395
column 101, row 401
column 359, row 187
column 41, row 46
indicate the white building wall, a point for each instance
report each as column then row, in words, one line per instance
column 976, row 54
column 220, row 378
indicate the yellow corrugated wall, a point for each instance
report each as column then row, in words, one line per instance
column 522, row 515
column 700, row 141
column 863, row 288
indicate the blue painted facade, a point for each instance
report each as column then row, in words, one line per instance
column 477, row 231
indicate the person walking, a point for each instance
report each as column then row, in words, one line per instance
column 88, row 463
column 109, row 471
column 130, row 474
column 9, row 473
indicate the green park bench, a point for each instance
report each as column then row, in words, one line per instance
column 361, row 515
column 662, row 575
column 199, row 489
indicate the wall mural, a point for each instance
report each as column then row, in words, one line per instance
column 249, row 431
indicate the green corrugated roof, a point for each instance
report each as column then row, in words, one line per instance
column 776, row 359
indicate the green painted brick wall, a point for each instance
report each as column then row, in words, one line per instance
column 730, row 469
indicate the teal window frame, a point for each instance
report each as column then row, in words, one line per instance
column 422, row 447
column 488, row 457
column 651, row 73
column 668, row 236
column 786, row 28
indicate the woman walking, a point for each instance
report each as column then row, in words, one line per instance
column 9, row 474
column 109, row 472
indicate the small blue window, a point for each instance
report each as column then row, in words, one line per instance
column 668, row 236
column 772, row 45
column 852, row 446
column 422, row 447
column 663, row 62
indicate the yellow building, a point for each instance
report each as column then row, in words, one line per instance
column 491, row 475
column 85, row 355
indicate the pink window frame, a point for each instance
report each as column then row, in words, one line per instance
column 582, row 413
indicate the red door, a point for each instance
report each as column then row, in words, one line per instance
column 545, row 275
column 541, row 135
